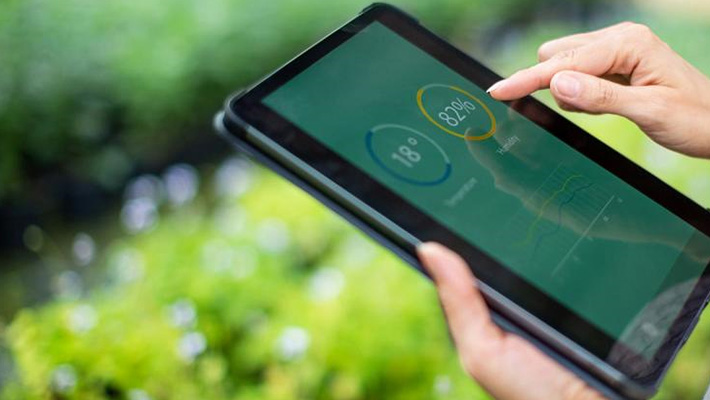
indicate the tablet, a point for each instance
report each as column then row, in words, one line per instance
column 585, row 250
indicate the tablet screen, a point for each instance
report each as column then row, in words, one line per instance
column 541, row 208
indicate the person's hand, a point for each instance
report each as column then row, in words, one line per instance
column 627, row 70
column 505, row 365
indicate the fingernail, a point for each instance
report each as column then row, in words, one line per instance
column 431, row 260
column 440, row 263
column 567, row 85
column 496, row 86
column 425, row 249
column 427, row 252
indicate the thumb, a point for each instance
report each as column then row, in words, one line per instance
column 576, row 91
column 464, row 307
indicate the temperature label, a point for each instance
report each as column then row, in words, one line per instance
column 456, row 112
column 408, row 154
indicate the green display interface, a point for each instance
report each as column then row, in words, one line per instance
column 554, row 217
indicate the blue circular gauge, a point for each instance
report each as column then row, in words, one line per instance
column 408, row 155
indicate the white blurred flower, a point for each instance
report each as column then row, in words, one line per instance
column 127, row 265
column 183, row 314
column 181, row 184
column 82, row 318
column 63, row 379
column 233, row 177
column 659, row 156
column 33, row 238
column 442, row 385
column 358, row 251
column 145, row 187
column 230, row 220
column 293, row 343
column 247, row 260
column 139, row 214
column 68, row 285
column 326, row 284
column 699, row 185
column 191, row 345
column 84, row 249
column 273, row 236
column 221, row 257
column 138, row 394
column 218, row 256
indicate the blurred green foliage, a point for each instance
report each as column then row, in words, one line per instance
column 298, row 307
column 94, row 88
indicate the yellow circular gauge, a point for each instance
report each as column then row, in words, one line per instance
column 456, row 112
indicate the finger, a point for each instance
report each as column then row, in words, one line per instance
column 548, row 49
column 599, row 58
column 506, row 366
column 466, row 311
column 576, row 91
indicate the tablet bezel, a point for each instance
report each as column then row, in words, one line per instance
column 250, row 108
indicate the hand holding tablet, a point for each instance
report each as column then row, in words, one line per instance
column 580, row 253
column 583, row 74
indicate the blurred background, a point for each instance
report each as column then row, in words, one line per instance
column 141, row 258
